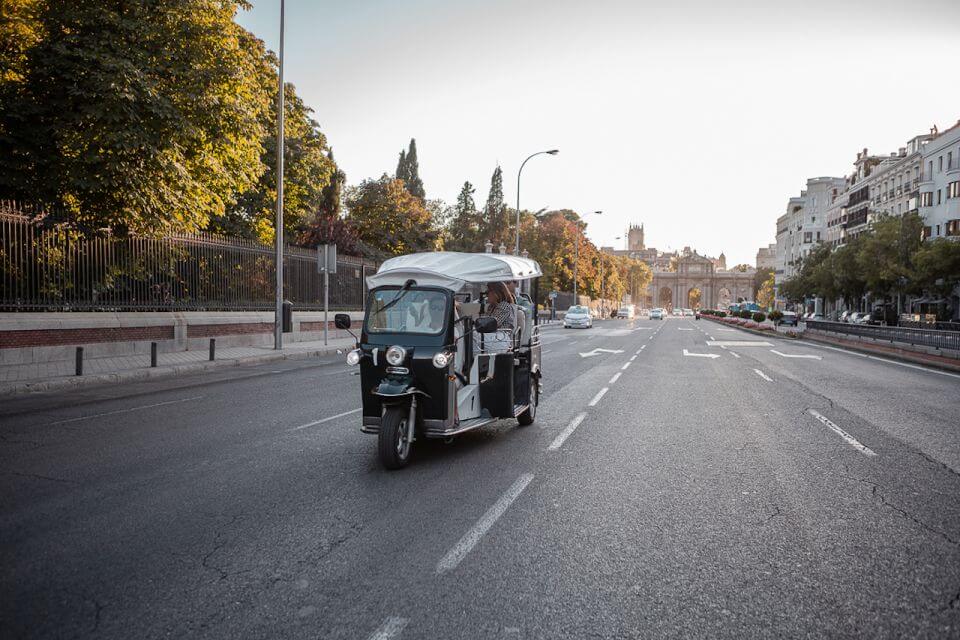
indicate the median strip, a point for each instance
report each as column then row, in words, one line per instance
column 476, row 532
column 853, row 442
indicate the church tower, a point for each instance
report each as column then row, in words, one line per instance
column 635, row 238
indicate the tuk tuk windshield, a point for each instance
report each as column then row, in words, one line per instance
column 410, row 311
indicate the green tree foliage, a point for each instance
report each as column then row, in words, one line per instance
column 143, row 117
column 408, row 170
column 463, row 230
column 389, row 220
column 937, row 266
column 494, row 225
column 308, row 169
column 759, row 278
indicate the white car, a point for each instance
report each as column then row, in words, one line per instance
column 577, row 317
column 656, row 314
column 626, row 311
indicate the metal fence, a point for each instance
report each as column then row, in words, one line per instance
column 52, row 268
column 921, row 337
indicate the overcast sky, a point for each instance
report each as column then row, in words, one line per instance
column 698, row 118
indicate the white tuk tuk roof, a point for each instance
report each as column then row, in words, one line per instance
column 451, row 270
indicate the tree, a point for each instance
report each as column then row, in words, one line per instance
column 308, row 169
column 463, row 229
column 764, row 296
column 143, row 117
column 494, row 225
column 885, row 253
column 388, row 218
column 759, row 278
column 408, row 170
column 937, row 264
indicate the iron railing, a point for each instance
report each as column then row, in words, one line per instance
column 52, row 268
column 906, row 335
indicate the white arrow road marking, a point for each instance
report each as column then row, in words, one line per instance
column 791, row 355
column 598, row 351
column 853, row 442
column 487, row 520
column 763, row 375
column 392, row 627
column 701, row 355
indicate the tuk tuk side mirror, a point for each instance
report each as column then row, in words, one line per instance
column 341, row 321
column 485, row 324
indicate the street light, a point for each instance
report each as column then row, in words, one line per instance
column 576, row 257
column 552, row 152
column 278, row 312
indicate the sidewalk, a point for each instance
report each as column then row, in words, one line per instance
column 52, row 376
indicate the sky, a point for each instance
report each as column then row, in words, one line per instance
column 697, row 118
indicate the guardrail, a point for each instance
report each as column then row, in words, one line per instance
column 920, row 337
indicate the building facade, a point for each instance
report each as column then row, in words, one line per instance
column 766, row 257
column 939, row 185
column 804, row 224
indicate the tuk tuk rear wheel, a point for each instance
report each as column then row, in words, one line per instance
column 530, row 413
column 392, row 444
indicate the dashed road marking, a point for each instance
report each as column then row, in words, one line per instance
column 327, row 419
column 599, row 395
column 796, row 355
column 570, row 428
column 763, row 375
column 113, row 413
column 735, row 354
column 470, row 539
column 392, row 627
column 853, row 442
column 624, row 367
column 615, row 377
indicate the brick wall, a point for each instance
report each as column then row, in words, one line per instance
column 57, row 337
column 240, row 328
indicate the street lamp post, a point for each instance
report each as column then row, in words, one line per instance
column 278, row 312
column 576, row 258
column 552, row 152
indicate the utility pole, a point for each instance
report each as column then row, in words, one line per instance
column 278, row 311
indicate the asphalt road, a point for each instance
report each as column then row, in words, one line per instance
column 775, row 490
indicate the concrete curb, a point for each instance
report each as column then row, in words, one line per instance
column 884, row 354
column 136, row 375
column 768, row 334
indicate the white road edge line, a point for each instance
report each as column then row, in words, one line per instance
column 615, row 377
column 735, row 354
column 763, row 375
column 624, row 367
column 853, row 442
column 597, row 397
column 561, row 438
column 392, row 627
column 869, row 357
column 327, row 419
column 470, row 539
column 112, row 413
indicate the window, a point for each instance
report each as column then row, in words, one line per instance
column 929, row 169
column 949, row 159
column 938, row 199
column 953, row 190
column 938, row 231
column 818, row 236
column 409, row 311
column 940, row 167
column 807, row 237
column 926, row 199
column 813, row 219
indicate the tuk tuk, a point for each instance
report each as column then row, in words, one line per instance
column 432, row 365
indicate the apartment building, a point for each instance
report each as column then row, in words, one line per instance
column 939, row 185
column 767, row 257
column 804, row 224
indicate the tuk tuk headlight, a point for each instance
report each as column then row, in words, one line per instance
column 353, row 357
column 441, row 359
column 396, row 355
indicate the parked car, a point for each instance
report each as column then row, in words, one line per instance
column 678, row 312
column 688, row 312
column 790, row 319
column 578, row 317
column 626, row 311
column 845, row 316
column 656, row 314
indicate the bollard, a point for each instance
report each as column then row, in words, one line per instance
column 213, row 348
column 79, row 361
column 153, row 354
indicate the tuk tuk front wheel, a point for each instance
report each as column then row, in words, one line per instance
column 530, row 413
column 393, row 444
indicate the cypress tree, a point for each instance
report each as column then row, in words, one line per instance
column 412, row 179
column 495, row 212
column 403, row 168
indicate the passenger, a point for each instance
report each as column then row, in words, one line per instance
column 500, row 305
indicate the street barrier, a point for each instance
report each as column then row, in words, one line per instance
column 905, row 335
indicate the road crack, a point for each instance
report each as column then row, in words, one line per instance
column 876, row 491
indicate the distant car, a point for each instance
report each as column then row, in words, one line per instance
column 845, row 316
column 578, row 317
column 861, row 318
column 656, row 314
column 626, row 311
column 678, row 312
column 688, row 312
column 790, row 319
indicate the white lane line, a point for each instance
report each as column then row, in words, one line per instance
column 597, row 397
column 795, row 355
column 392, row 627
column 615, row 377
column 643, row 347
column 633, row 357
column 624, row 367
column 560, row 439
column 869, row 357
column 763, row 375
column 853, row 442
column 327, row 419
column 113, row 413
column 735, row 354
column 487, row 520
